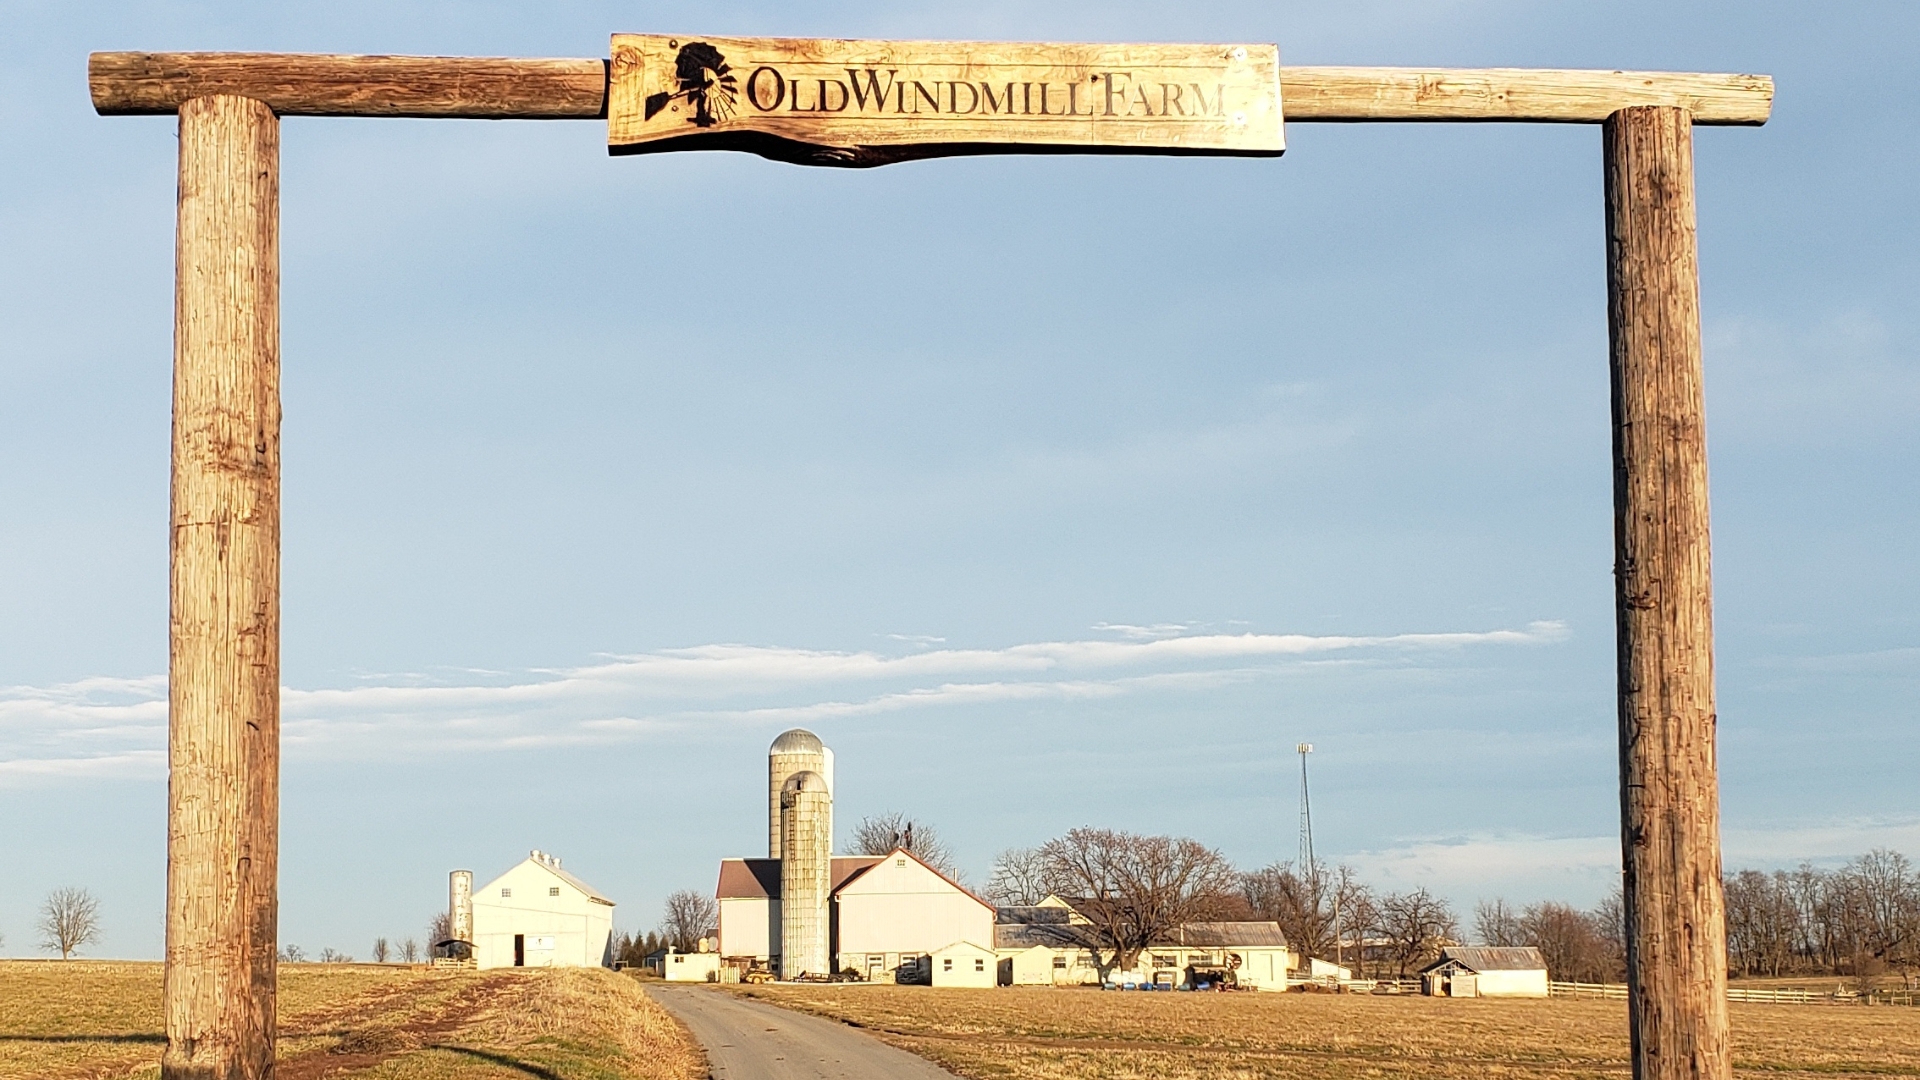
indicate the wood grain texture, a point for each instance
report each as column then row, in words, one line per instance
column 1362, row 94
column 223, row 731
column 295, row 84
column 300, row 84
column 860, row 103
column 1669, row 793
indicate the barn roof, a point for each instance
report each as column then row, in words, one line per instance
column 1491, row 958
column 751, row 878
column 1227, row 935
column 1058, row 935
column 1032, row 913
column 546, row 862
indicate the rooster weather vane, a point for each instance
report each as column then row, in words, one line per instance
column 706, row 83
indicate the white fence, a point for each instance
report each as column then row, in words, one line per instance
column 1781, row 996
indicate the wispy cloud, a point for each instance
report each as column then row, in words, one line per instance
column 109, row 726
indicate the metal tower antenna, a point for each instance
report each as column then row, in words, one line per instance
column 1307, row 867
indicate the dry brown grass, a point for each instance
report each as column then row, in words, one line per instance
column 90, row 1019
column 1042, row 1034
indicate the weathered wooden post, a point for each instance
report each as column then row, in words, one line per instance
column 223, row 731
column 1669, row 795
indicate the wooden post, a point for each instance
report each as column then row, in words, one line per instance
column 223, row 733
column 1669, row 795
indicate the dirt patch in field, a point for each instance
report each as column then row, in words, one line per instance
column 365, row 1044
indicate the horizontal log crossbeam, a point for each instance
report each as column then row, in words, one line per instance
column 483, row 88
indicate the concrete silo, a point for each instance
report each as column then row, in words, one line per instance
column 794, row 752
column 806, row 874
column 459, row 906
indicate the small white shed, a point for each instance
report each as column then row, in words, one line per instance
column 678, row 966
column 965, row 964
column 1486, row 971
column 1029, row 967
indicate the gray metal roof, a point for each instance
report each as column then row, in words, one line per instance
column 1491, row 958
column 798, row 740
column 1053, row 935
column 1032, row 913
column 1228, row 935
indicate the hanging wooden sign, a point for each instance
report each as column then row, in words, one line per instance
column 859, row 103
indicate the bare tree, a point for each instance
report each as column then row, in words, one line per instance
column 1494, row 923
column 879, row 834
column 1134, row 889
column 69, row 919
column 410, row 950
column 1417, row 923
column 292, row 954
column 439, row 928
column 380, row 950
column 1019, row 877
column 1573, row 945
column 688, row 917
column 1609, row 918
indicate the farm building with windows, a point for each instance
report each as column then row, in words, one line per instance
column 1486, row 971
column 1053, row 943
column 538, row 915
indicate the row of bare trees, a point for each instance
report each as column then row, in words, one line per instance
column 1861, row 919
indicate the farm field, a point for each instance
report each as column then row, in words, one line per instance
column 1043, row 1034
column 94, row 1020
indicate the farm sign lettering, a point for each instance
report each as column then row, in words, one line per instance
column 870, row 102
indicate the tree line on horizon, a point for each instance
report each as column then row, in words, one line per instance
column 1860, row 919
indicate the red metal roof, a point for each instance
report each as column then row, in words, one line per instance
column 750, row 878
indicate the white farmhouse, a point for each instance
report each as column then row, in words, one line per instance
column 538, row 915
column 1251, row 955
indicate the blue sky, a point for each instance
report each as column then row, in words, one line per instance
column 1049, row 491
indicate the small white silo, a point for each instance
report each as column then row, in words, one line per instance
column 460, row 906
column 795, row 751
column 806, row 875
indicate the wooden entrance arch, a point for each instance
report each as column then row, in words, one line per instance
column 224, row 656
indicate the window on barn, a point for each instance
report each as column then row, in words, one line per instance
column 1059, row 961
column 504, row 891
column 553, row 890
column 979, row 965
column 948, row 964
column 1163, row 960
column 899, row 862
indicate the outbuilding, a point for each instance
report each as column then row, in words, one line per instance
column 1486, row 971
column 964, row 964
column 1028, row 967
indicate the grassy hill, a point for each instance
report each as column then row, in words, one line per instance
column 93, row 1020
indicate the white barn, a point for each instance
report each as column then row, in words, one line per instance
column 538, row 915
column 898, row 909
column 888, row 914
column 1486, row 971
